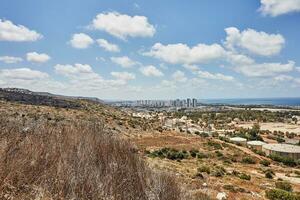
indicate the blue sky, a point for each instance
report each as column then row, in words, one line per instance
column 152, row 49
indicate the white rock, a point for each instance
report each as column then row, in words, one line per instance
column 204, row 184
column 222, row 196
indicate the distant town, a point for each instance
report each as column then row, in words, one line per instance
column 178, row 103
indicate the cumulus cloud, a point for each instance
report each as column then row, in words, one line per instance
column 151, row 71
column 74, row 70
column 183, row 54
column 123, row 26
column 37, row 57
column 279, row 7
column 22, row 74
column 83, row 76
column 123, row 75
column 17, row 33
column 81, row 41
column 108, row 46
column 216, row 76
column 238, row 59
column 29, row 79
column 10, row 59
column 124, row 61
column 265, row 69
column 179, row 76
column 259, row 43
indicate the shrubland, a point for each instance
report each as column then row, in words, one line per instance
column 74, row 159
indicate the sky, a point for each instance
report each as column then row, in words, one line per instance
column 128, row 50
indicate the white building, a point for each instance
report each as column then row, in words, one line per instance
column 285, row 150
column 238, row 140
column 256, row 144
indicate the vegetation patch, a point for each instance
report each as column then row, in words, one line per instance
column 248, row 160
column 285, row 160
column 284, row 185
column 265, row 163
column 169, row 153
column 278, row 194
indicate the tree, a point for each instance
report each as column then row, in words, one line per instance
column 254, row 132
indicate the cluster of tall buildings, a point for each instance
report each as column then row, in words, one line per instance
column 181, row 103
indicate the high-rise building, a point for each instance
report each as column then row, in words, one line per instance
column 177, row 104
column 189, row 103
column 194, row 103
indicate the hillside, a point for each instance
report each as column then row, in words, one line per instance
column 51, row 152
column 94, row 151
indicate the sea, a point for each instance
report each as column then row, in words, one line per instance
column 295, row 101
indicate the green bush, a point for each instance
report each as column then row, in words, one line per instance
column 204, row 168
column 285, row 160
column 169, row 153
column 248, row 160
column 229, row 188
column 278, row 194
column 202, row 155
column 194, row 153
column 284, row 185
column 225, row 139
column 204, row 135
column 219, row 171
column 280, row 140
column 265, row 163
column 259, row 152
column 215, row 145
column 235, row 173
column 269, row 175
column 245, row 177
column 219, row 154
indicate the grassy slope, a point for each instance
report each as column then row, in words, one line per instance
column 57, row 153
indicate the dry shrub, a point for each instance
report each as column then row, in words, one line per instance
column 74, row 160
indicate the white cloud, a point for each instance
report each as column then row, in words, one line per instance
column 17, row 33
column 83, row 76
column 259, row 43
column 217, row 76
column 179, row 76
column 81, row 41
column 167, row 84
column 124, row 61
column 123, row 26
column 183, row 54
column 123, row 75
column 73, row 70
column 283, row 78
column 108, row 46
column 10, row 59
column 279, row 7
column 239, row 59
column 298, row 69
column 22, row 74
column 193, row 68
column 151, row 71
column 265, row 69
column 37, row 57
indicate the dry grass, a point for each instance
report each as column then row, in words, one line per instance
column 74, row 160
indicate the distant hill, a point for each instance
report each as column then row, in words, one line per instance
column 43, row 98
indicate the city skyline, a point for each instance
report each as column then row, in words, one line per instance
column 152, row 50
